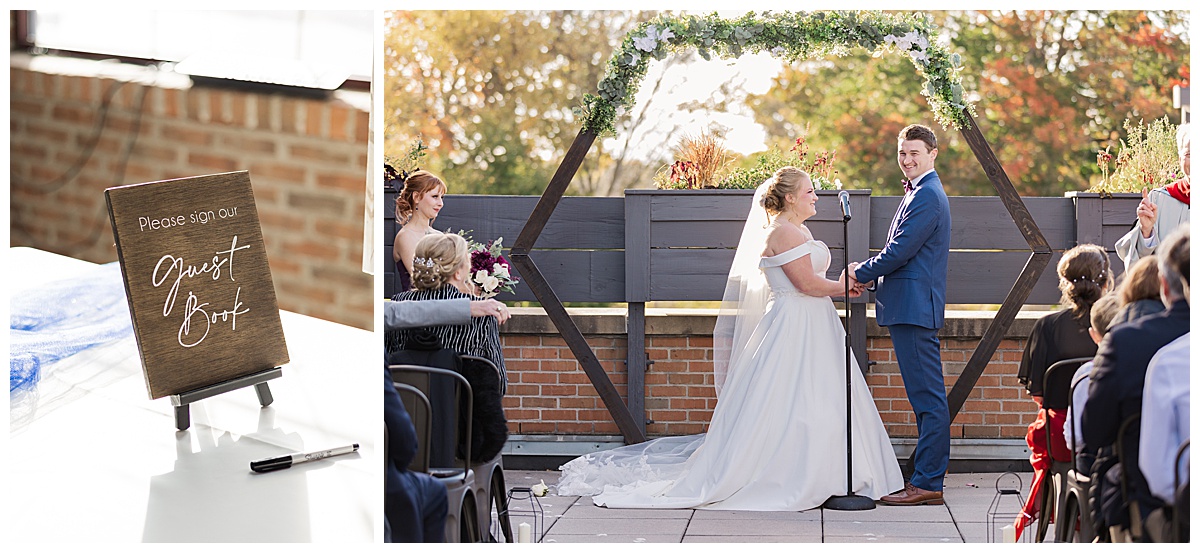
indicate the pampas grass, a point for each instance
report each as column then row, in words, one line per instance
column 700, row 162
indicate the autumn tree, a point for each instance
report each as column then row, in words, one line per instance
column 1052, row 88
column 492, row 92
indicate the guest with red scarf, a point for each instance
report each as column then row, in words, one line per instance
column 1161, row 210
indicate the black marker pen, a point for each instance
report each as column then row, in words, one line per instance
column 285, row 461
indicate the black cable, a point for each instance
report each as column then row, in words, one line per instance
column 72, row 173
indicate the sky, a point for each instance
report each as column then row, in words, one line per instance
column 697, row 82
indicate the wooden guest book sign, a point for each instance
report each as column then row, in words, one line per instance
column 196, row 274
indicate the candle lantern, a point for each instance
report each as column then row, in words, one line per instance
column 1006, row 506
column 524, row 516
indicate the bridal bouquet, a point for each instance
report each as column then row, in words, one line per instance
column 490, row 271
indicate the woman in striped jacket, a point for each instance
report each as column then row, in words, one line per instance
column 441, row 267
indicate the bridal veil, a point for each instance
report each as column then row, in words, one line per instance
column 746, row 292
column 664, row 459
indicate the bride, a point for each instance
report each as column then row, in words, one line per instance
column 777, row 439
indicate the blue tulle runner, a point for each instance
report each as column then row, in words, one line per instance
column 60, row 319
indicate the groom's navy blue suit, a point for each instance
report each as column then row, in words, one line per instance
column 910, row 301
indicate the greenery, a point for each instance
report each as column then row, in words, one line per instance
column 1148, row 158
column 491, row 93
column 1051, row 88
column 791, row 36
column 819, row 167
column 406, row 164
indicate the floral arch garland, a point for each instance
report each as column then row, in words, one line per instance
column 791, row 36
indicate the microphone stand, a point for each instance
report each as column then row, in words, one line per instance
column 850, row 501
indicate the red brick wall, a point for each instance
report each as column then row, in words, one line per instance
column 549, row 393
column 307, row 161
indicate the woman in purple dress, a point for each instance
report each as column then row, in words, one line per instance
column 417, row 206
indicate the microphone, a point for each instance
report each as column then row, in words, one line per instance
column 844, row 197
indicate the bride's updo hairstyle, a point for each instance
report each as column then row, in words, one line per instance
column 785, row 181
column 437, row 258
column 416, row 185
column 1083, row 273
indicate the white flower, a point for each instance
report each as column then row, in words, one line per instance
column 645, row 43
column 489, row 283
column 636, row 57
column 480, row 275
column 500, row 271
column 778, row 50
column 923, row 43
column 665, row 35
column 919, row 56
column 540, row 489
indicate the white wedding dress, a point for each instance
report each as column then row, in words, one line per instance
column 777, row 440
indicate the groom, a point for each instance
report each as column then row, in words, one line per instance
column 911, row 302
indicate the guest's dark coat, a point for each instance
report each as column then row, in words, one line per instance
column 1115, row 393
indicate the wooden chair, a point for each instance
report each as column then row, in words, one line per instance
column 462, row 521
column 1056, row 394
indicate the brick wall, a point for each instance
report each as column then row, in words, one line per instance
column 549, row 393
column 307, row 161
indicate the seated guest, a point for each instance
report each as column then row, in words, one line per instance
column 1166, row 409
column 1139, row 291
column 1083, row 276
column 1103, row 312
column 415, row 504
column 440, row 270
column 1166, row 404
column 1118, row 379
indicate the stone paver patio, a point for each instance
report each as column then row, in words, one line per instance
column 962, row 519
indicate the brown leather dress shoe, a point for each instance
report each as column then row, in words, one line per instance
column 912, row 495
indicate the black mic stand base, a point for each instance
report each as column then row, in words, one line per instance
column 852, row 502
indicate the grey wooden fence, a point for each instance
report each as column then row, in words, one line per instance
column 660, row 246
column 657, row 245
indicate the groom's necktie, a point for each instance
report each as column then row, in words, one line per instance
column 908, row 186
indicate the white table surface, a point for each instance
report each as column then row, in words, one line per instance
column 97, row 461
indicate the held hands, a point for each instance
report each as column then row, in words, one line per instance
column 856, row 287
column 1147, row 214
column 490, row 308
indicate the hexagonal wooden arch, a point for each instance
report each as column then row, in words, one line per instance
column 634, row 431
column 622, row 415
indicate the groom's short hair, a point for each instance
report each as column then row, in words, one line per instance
column 918, row 132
